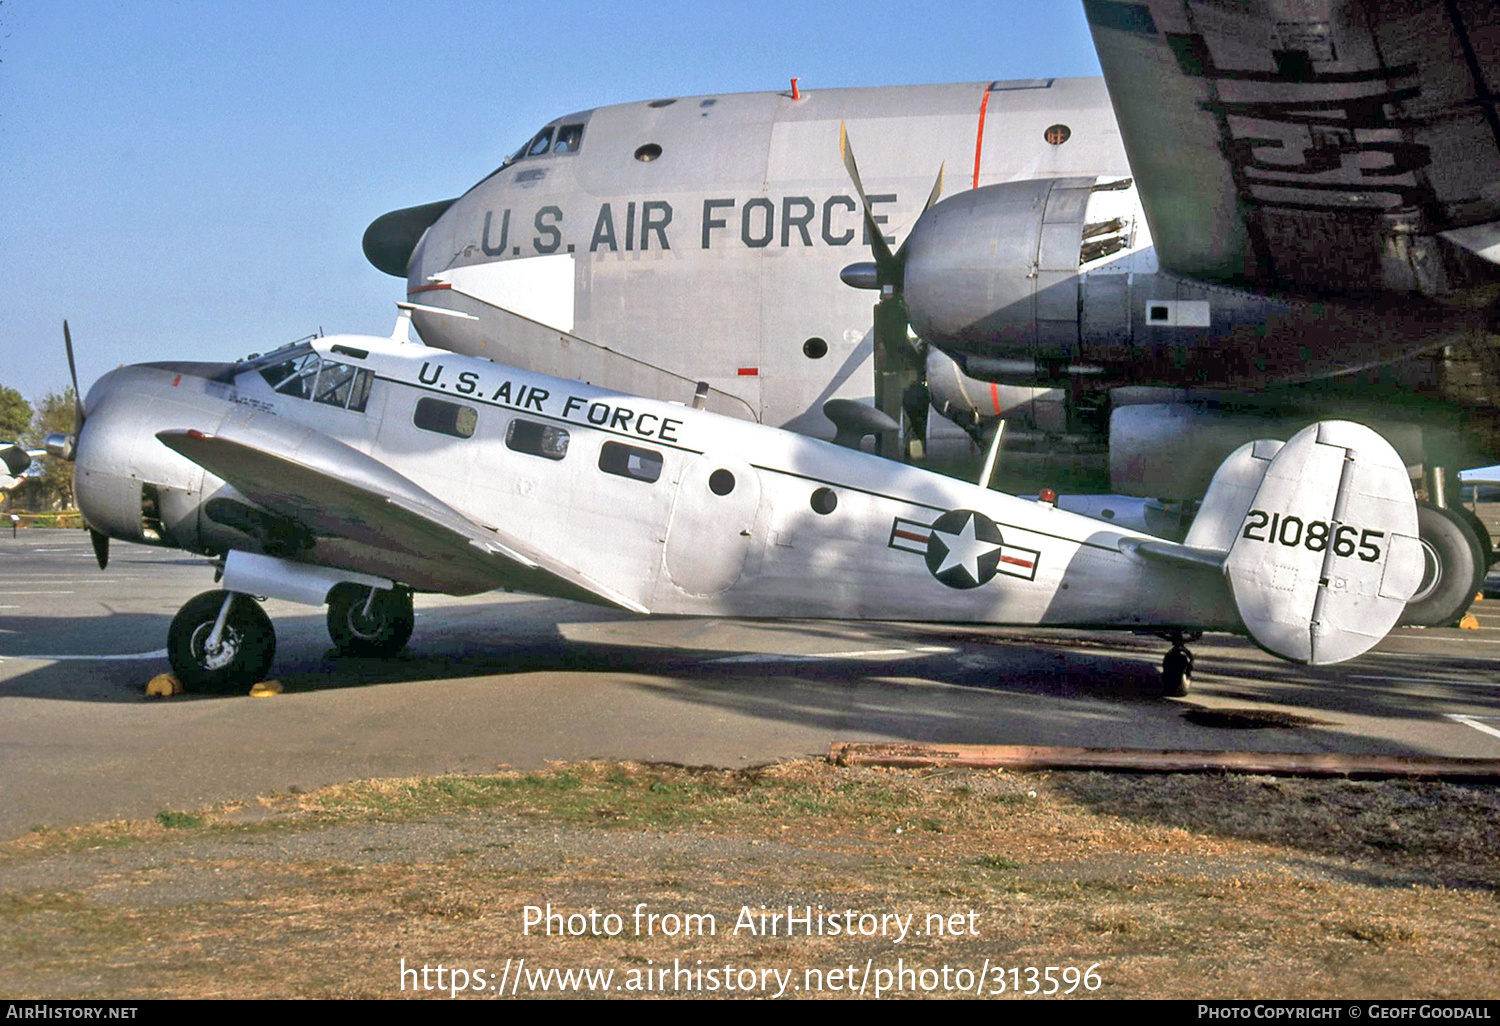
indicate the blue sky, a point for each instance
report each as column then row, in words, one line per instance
column 191, row 180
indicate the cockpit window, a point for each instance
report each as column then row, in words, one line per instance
column 569, row 138
column 541, row 144
column 306, row 375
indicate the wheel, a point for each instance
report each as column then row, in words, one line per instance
column 1454, row 570
column 382, row 632
column 246, row 646
column 1177, row 673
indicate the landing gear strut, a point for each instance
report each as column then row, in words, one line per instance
column 220, row 640
column 1177, row 667
column 375, row 622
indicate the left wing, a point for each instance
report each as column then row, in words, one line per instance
column 330, row 491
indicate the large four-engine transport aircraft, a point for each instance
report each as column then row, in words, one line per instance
column 1265, row 214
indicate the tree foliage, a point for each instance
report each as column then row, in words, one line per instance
column 54, row 414
column 15, row 415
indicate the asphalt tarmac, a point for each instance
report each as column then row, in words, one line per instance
column 507, row 680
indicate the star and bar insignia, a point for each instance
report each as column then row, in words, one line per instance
column 963, row 549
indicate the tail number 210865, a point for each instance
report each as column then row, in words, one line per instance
column 1316, row 536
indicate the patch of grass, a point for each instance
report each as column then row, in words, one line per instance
column 179, row 820
column 996, row 862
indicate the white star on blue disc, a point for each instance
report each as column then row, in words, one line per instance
column 963, row 549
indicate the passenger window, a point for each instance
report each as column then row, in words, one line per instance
column 629, row 461
column 569, row 137
column 537, row 439
column 541, row 144
column 446, row 418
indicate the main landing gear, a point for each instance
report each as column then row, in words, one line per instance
column 220, row 640
column 1456, row 558
column 1177, row 667
column 223, row 640
column 374, row 622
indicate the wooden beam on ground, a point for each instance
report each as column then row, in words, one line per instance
column 1134, row 760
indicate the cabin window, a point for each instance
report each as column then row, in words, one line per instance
column 647, row 153
column 446, row 418
column 825, row 501
column 537, row 439
column 721, row 482
column 630, row 461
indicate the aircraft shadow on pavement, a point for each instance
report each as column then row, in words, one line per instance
column 973, row 683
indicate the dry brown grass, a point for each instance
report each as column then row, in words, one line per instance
column 1174, row 886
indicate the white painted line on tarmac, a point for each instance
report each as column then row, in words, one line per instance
column 159, row 653
column 1473, row 721
column 38, row 592
column 871, row 653
column 1422, row 680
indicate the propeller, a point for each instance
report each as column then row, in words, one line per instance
column 900, row 366
column 66, row 446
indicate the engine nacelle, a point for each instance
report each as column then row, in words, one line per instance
column 1171, row 450
column 995, row 270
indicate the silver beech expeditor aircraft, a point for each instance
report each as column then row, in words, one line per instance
column 352, row 471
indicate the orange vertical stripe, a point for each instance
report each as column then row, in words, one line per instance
column 979, row 135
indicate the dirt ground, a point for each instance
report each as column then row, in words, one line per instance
column 798, row 879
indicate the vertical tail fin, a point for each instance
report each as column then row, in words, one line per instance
column 1326, row 553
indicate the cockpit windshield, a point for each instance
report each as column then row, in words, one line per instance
column 300, row 373
column 556, row 140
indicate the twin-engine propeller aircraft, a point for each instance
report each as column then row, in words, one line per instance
column 1265, row 214
column 352, row 471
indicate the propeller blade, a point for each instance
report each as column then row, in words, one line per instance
column 932, row 198
column 937, row 188
column 884, row 258
column 73, row 373
column 101, row 547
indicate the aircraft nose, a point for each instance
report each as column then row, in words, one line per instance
column 391, row 238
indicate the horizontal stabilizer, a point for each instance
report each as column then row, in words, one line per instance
column 1326, row 555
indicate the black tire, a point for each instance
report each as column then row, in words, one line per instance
column 247, row 645
column 1481, row 534
column 1455, row 566
column 383, row 633
column 1177, row 673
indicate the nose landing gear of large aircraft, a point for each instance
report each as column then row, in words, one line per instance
column 220, row 640
column 373, row 622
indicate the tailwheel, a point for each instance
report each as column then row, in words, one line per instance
column 1177, row 667
column 220, row 640
column 374, row 622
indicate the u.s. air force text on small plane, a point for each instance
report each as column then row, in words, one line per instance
column 520, row 396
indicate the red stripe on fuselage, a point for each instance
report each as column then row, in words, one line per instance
column 429, row 288
column 984, row 106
